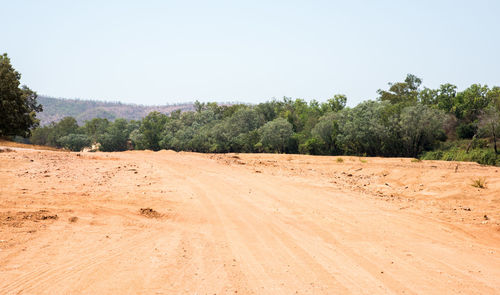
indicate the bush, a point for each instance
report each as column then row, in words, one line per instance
column 479, row 182
column 312, row 146
column 276, row 135
column 479, row 155
column 74, row 142
column 466, row 130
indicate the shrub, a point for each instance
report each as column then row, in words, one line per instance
column 74, row 142
column 479, row 182
column 466, row 130
column 479, row 155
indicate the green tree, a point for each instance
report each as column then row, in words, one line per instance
column 115, row 137
column 74, row 142
column 276, row 135
column 402, row 92
column 151, row 129
column 490, row 122
column 199, row 106
column 66, row 126
column 362, row 130
column 18, row 105
column 40, row 135
column 419, row 128
column 442, row 98
column 267, row 110
column 494, row 97
column 327, row 130
column 95, row 128
column 470, row 103
column 335, row 104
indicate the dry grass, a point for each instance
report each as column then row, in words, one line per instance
column 479, row 182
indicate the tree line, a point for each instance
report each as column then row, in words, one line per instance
column 404, row 120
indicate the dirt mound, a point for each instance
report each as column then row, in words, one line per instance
column 150, row 213
column 26, row 220
column 13, row 144
column 34, row 216
column 6, row 150
column 163, row 151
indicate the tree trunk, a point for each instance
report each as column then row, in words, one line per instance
column 470, row 143
column 495, row 142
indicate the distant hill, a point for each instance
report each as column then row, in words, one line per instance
column 54, row 109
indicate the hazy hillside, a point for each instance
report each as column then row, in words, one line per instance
column 54, row 109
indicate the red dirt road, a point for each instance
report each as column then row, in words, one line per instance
column 72, row 223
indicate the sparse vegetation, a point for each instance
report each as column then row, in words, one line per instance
column 483, row 156
column 340, row 160
column 479, row 182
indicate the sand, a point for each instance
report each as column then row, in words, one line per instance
column 186, row 223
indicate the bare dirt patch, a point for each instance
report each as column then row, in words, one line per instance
column 77, row 223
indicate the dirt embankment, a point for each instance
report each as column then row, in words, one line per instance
column 185, row 223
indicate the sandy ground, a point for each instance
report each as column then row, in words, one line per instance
column 80, row 223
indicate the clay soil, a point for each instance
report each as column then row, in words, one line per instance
column 163, row 222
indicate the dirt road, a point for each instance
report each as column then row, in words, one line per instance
column 72, row 223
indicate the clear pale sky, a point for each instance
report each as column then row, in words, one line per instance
column 157, row 52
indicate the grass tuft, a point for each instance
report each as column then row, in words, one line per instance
column 479, row 182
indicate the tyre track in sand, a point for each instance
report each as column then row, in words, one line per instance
column 229, row 230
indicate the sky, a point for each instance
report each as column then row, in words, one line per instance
column 165, row 52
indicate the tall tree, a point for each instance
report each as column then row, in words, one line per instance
column 151, row 128
column 335, row 104
column 362, row 130
column 489, row 121
column 470, row 103
column 327, row 131
column 18, row 105
column 402, row 92
column 419, row 128
column 276, row 134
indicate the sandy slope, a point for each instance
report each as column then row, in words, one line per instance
column 246, row 224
